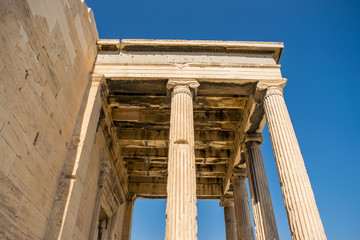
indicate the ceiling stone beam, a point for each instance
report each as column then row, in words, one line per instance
column 218, row 125
column 159, row 167
column 155, row 159
column 143, row 134
column 146, row 179
column 236, row 156
column 163, row 152
column 158, row 190
column 141, row 169
column 164, row 143
column 137, row 114
column 161, row 102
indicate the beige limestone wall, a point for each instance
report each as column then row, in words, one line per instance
column 47, row 50
column 90, row 187
column 116, row 228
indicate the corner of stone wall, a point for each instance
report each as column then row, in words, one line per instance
column 47, row 51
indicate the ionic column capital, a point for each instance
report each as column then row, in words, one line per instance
column 192, row 83
column 182, row 85
column 268, row 88
column 273, row 91
column 226, row 201
column 263, row 85
column 238, row 172
column 250, row 138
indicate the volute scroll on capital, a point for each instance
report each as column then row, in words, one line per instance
column 256, row 137
column 268, row 88
column 239, row 172
column 184, row 85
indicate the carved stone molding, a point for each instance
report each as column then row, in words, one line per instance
column 181, row 89
column 130, row 197
column 104, row 171
column 97, row 78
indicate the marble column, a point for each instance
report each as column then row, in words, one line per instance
column 230, row 218
column 181, row 184
column 128, row 216
column 242, row 209
column 263, row 213
column 303, row 215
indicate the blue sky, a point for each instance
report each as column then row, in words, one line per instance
column 321, row 63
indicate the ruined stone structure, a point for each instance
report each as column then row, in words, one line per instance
column 88, row 126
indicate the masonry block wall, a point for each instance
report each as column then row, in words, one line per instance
column 47, row 50
column 99, row 153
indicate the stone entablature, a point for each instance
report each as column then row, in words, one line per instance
column 180, row 59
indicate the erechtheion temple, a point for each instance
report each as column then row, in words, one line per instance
column 88, row 126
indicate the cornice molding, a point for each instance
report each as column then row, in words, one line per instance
column 200, row 46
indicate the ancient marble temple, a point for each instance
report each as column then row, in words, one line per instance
column 89, row 125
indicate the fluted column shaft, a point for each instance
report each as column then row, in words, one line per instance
column 242, row 209
column 181, row 209
column 230, row 220
column 303, row 215
column 263, row 213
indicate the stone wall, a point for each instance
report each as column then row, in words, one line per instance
column 90, row 188
column 47, row 50
column 87, row 209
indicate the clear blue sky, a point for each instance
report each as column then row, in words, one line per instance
column 321, row 63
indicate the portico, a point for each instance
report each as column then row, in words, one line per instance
column 186, row 118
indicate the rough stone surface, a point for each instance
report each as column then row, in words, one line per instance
column 72, row 179
column 47, row 50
